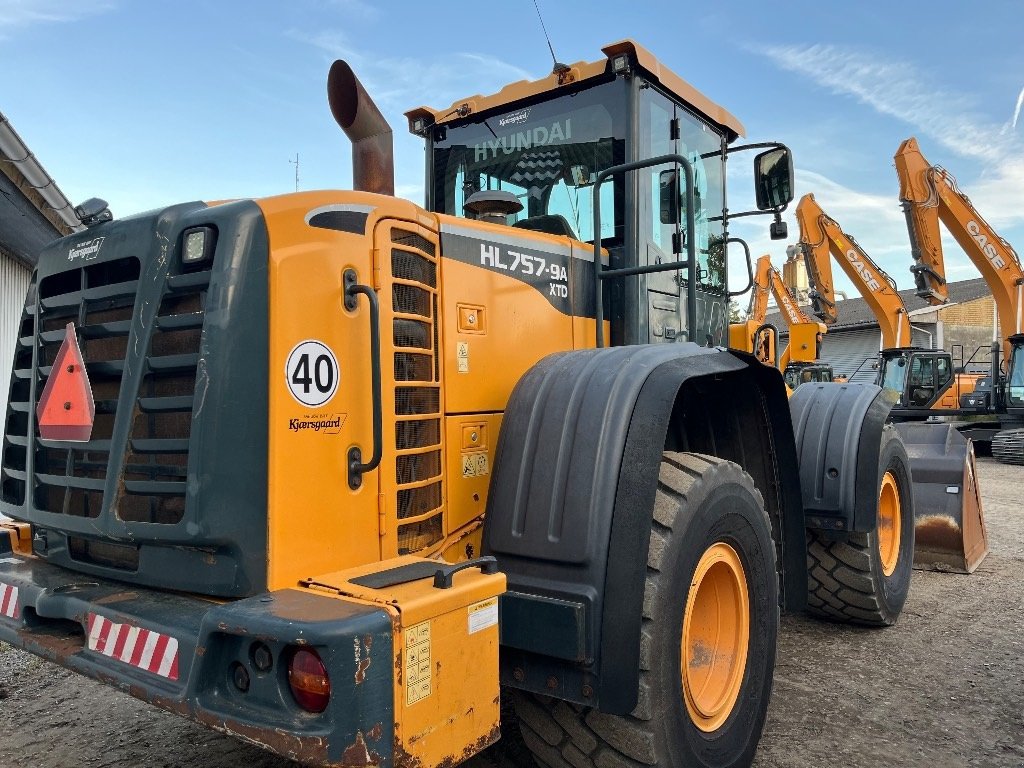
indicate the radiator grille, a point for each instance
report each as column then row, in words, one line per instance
column 100, row 300
column 416, row 394
column 69, row 478
column 156, row 456
column 15, row 443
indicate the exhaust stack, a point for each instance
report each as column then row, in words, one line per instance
column 373, row 162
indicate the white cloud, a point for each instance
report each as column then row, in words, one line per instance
column 896, row 88
column 25, row 13
column 992, row 170
column 1016, row 109
column 401, row 82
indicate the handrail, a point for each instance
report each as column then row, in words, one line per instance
column 690, row 265
column 356, row 466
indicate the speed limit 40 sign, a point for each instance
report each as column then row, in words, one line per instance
column 312, row 373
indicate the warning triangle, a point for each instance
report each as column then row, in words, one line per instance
column 66, row 409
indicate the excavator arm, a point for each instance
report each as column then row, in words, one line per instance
column 804, row 333
column 758, row 309
column 929, row 194
column 820, row 237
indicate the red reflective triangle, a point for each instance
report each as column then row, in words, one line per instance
column 66, row 409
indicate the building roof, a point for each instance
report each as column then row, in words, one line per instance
column 33, row 210
column 854, row 314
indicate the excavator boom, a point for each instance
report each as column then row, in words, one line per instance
column 929, row 194
column 820, row 237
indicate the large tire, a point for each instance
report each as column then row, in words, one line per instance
column 1008, row 446
column 702, row 504
column 855, row 579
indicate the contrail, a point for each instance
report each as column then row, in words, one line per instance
column 1016, row 111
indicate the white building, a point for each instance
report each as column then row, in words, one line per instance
column 33, row 211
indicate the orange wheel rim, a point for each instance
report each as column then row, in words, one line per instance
column 889, row 524
column 716, row 632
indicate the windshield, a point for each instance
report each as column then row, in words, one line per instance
column 548, row 155
column 795, row 375
column 894, row 374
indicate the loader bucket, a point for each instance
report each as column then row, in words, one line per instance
column 949, row 525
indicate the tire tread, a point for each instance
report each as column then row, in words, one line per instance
column 591, row 739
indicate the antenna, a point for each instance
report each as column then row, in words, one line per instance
column 559, row 67
column 295, row 162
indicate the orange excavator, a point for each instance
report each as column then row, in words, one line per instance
column 799, row 360
column 930, row 195
column 923, row 379
column 949, row 522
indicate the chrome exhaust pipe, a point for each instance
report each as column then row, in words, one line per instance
column 373, row 161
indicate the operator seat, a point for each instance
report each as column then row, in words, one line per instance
column 552, row 224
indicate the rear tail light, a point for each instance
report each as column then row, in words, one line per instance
column 307, row 677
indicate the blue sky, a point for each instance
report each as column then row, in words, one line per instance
column 151, row 103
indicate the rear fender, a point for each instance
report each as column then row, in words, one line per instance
column 838, row 428
column 570, row 505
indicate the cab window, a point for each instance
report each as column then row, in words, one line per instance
column 548, row 155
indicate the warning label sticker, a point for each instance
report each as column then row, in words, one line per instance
column 474, row 464
column 417, row 663
column 483, row 615
column 462, row 356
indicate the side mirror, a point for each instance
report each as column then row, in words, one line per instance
column 669, row 196
column 773, row 179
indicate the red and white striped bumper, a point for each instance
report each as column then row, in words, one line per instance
column 9, row 606
column 135, row 646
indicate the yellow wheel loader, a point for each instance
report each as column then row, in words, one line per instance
column 950, row 523
column 330, row 471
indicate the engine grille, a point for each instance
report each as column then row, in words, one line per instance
column 72, row 479
column 416, row 392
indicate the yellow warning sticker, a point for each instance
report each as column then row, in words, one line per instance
column 474, row 464
column 462, row 356
column 483, row 615
column 417, row 663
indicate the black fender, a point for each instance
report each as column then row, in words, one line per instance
column 838, row 428
column 572, row 493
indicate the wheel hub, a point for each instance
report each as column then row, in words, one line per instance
column 889, row 524
column 716, row 632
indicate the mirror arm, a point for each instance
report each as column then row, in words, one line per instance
column 776, row 212
column 759, row 145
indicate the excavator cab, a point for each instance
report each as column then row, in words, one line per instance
column 923, row 379
column 1008, row 444
column 1015, row 376
column 806, row 373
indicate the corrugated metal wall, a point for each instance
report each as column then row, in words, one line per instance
column 14, row 279
column 852, row 353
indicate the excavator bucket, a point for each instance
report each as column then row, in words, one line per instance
column 949, row 524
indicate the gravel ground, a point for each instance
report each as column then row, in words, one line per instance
column 944, row 687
